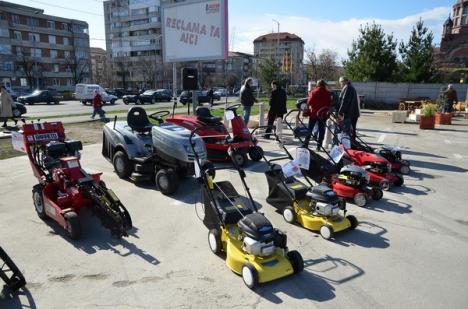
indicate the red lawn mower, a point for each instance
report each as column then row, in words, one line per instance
column 213, row 132
column 64, row 188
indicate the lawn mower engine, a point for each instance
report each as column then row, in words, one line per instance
column 327, row 210
column 379, row 167
column 353, row 176
column 64, row 187
column 259, row 237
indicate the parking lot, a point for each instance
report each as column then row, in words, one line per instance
column 409, row 250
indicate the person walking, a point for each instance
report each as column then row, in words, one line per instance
column 318, row 103
column 247, row 99
column 277, row 110
column 97, row 105
column 210, row 94
column 450, row 99
column 6, row 106
column 348, row 110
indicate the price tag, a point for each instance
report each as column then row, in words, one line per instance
column 345, row 140
column 337, row 153
column 229, row 115
column 197, row 169
column 303, row 157
column 17, row 141
column 291, row 169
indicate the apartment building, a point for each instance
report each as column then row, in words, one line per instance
column 42, row 51
column 287, row 49
column 99, row 67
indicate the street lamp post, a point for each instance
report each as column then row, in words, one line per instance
column 278, row 38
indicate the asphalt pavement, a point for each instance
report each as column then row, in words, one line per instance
column 409, row 250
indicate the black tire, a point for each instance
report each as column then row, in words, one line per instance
column 112, row 102
column 48, row 103
column 73, row 225
column 30, row 103
column 289, row 215
column 399, row 182
column 138, row 102
column 56, row 102
column 296, row 261
column 326, row 232
column 255, row 153
column 153, row 101
column 166, row 181
column 39, row 201
column 377, row 194
column 240, row 158
column 125, row 102
column 214, row 241
column 122, row 165
column 385, row 185
column 360, row 199
column 250, row 276
column 83, row 102
column 353, row 221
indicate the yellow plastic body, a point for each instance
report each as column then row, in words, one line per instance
column 307, row 219
column 268, row 268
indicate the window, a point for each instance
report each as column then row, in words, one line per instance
column 7, row 66
column 65, row 41
column 465, row 9
column 80, row 28
column 464, row 20
column 52, row 39
column 53, row 53
column 19, row 51
column 56, row 68
column 64, row 26
column 34, row 37
column 33, row 22
column 66, row 53
column 51, row 24
column 36, row 52
column 54, row 82
column 15, row 19
column 17, row 35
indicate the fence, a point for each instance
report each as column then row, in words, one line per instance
column 391, row 93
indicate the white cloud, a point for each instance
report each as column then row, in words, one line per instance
column 335, row 35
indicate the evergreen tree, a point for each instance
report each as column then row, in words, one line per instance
column 270, row 70
column 418, row 56
column 373, row 56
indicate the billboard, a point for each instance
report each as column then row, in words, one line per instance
column 195, row 30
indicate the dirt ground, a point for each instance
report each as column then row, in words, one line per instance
column 86, row 132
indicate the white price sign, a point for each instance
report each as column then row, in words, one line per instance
column 17, row 141
column 337, row 153
column 303, row 157
column 197, row 170
column 229, row 115
column 291, row 169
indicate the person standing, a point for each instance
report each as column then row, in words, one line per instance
column 277, row 110
column 247, row 99
column 318, row 103
column 450, row 99
column 6, row 106
column 210, row 94
column 348, row 110
column 97, row 105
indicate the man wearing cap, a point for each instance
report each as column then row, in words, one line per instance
column 348, row 110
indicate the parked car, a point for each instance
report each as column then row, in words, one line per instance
column 85, row 93
column 153, row 96
column 19, row 109
column 186, row 96
column 222, row 92
column 40, row 96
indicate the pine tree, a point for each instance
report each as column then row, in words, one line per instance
column 373, row 56
column 418, row 56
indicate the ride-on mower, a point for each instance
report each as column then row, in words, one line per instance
column 10, row 274
column 253, row 248
column 64, row 187
column 142, row 151
column 213, row 131
column 316, row 208
column 350, row 181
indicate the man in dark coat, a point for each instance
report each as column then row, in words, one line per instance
column 210, row 94
column 348, row 110
column 450, row 99
column 318, row 103
column 247, row 99
column 278, row 100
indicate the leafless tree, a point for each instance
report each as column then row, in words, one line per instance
column 148, row 70
column 322, row 65
column 26, row 65
column 78, row 66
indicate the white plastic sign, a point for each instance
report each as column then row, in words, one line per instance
column 229, row 115
column 197, row 170
column 17, row 141
column 291, row 169
column 303, row 157
column 337, row 153
column 344, row 140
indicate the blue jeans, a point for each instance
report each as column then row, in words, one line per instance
column 321, row 131
column 246, row 114
column 98, row 110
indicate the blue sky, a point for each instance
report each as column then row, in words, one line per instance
column 321, row 23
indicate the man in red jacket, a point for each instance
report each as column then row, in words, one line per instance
column 97, row 105
column 318, row 103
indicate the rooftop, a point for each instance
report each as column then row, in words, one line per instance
column 283, row 36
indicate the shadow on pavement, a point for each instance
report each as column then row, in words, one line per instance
column 20, row 299
column 96, row 238
column 412, row 189
column 391, row 206
column 421, row 154
column 438, row 166
column 367, row 235
column 388, row 132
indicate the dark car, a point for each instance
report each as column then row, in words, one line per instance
column 131, row 98
column 153, row 96
column 186, row 96
column 40, row 96
column 19, row 110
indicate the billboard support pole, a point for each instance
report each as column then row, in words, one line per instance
column 174, row 87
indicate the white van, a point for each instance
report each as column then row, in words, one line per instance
column 85, row 94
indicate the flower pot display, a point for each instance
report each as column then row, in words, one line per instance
column 443, row 118
column 427, row 122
